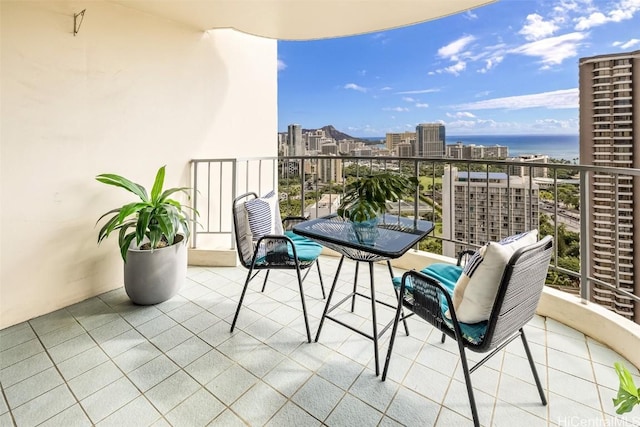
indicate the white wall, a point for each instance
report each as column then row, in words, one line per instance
column 129, row 93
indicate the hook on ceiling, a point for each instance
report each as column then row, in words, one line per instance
column 77, row 21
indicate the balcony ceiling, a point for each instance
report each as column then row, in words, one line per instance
column 302, row 19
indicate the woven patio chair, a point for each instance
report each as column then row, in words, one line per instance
column 271, row 245
column 428, row 294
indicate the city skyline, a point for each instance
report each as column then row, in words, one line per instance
column 507, row 68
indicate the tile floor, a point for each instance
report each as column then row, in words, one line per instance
column 107, row 362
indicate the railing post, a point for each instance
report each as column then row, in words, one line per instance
column 302, row 182
column 234, row 191
column 195, row 204
column 584, row 238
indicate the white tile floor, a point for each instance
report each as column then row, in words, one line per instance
column 107, row 362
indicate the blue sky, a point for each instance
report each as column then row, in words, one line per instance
column 507, row 68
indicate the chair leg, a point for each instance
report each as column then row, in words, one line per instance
column 324, row 296
column 533, row 367
column 392, row 339
column 304, row 306
column 244, row 291
column 264, row 284
column 467, row 380
column 355, row 288
column 404, row 319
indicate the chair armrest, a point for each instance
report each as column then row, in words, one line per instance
column 275, row 249
column 428, row 294
column 289, row 222
column 462, row 254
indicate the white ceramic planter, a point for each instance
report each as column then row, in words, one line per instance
column 152, row 277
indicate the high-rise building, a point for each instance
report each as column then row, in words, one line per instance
column 330, row 149
column 430, row 140
column 482, row 211
column 393, row 139
column 472, row 151
column 295, row 141
column 404, row 149
column 536, row 172
column 330, row 170
column 609, row 137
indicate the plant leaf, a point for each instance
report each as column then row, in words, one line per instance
column 628, row 395
column 157, row 184
column 124, row 246
column 122, row 182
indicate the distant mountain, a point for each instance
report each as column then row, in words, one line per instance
column 334, row 133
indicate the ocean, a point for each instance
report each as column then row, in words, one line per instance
column 565, row 147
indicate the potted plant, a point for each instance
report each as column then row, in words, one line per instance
column 365, row 199
column 152, row 235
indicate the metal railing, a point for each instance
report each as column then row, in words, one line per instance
column 476, row 195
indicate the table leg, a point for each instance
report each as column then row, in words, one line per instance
column 375, row 320
column 328, row 304
column 404, row 321
column 355, row 286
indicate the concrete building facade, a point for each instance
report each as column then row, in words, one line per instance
column 295, row 142
column 609, row 129
column 485, row 207
column 430, row 140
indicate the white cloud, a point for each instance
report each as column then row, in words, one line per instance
column 281, row 65
column 620, row 11
column 386, row 88
column 455, row 69
column 453, row 49
column 628, row 44
column 554, row 124
column 483, row 93
column 362, row 73
column 422, row 105
column 593, row 20
column 537, row 28
column 552, row 50
column 397, row 109
column 408, row 99
column 490, row 63
column 416, row 92
column 461, row 114
column 470, row 15
column 354, row 86
column 559, row 99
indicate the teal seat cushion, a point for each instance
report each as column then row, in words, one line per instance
column 448, row 275
column 307, row 249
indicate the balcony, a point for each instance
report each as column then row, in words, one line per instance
column 142, row 84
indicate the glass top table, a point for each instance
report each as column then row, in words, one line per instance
column 393, row 237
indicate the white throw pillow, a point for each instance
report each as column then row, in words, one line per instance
column 264, row 215
column 476, row 289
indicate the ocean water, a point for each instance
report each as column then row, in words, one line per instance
column 564, row 147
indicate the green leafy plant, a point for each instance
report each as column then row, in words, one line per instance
column 366, row 197
column 628, row 393
column 156, row 217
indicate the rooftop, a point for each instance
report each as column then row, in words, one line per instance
column 105, row 361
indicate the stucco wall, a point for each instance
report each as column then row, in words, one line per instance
column 129, row 93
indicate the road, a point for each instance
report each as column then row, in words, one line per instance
column 570, row 218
